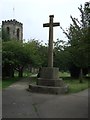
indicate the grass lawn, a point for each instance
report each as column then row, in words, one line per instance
column 25, row 74
column 7, row 82
column 64, row 74
column 75, row 86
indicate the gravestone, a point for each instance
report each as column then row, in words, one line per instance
column 49, row 81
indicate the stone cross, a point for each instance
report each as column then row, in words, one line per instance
column 50, row 48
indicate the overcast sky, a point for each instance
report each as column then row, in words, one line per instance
column 33, row 13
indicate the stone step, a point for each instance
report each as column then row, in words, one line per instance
column 50, row 82
column 48, row 89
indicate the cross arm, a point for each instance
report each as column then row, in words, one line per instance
column 46, row 25
column 56, row 24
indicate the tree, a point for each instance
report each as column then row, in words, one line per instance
column 79, row 42
column 61, row 56
column 32, row 47
column 14, row 58
column 43, row 53
column 18, row 56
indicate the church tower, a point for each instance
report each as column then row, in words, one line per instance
column 14, row 29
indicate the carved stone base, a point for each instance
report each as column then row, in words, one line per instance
column 48, row 89
column 49, row 82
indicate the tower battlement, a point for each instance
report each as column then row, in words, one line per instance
column 12, row 21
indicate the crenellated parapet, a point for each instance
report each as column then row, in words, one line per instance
column 12, row 21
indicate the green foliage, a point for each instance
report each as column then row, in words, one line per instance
column 61, row 55
column 34, row 52
column 13, row 55
column 78, row 35
column 43, row 53
column 79, row 44
column 18, row 56
column 38, row 53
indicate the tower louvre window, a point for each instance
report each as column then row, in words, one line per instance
column 18, row 32
column 8, row 30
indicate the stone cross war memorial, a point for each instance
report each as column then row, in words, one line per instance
column 49, row 81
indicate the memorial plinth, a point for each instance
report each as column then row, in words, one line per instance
column 49, row 81
column 49, row 77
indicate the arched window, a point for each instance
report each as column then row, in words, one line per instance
column 8, row 30
column 18, row 32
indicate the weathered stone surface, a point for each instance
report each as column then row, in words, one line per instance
column 48, row 89
column 50, row 82
column 49, row 73
column 51, row 24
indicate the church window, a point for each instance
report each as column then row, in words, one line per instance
column 18, row 32
column 8, row 30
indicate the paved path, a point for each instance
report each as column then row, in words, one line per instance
column 19, row 103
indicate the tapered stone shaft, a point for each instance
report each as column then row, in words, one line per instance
column 50, row 47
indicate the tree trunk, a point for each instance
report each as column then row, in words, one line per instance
column 20, row 72
column 81, row 76
column 11, row 71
